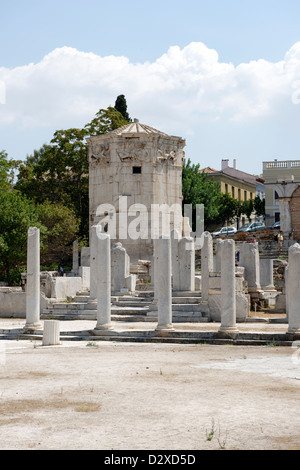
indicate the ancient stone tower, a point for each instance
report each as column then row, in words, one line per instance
column 131, row 170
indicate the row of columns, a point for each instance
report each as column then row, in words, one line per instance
column 163, row 277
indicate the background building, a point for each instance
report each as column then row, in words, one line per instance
column 278, row 172
column 239, row 184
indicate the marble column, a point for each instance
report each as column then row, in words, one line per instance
column 206, row 264
column 33, row 279
column 228, row 290
column 249, row 259
column 266, row 274
column 75, row 258
column 217, row 258
column 183, row 263
column 154, row 269
column 103, row 278
column 51, row 333
column 93, row 262
column 293, row 281
column 163, row 274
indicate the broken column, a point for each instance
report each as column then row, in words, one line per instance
column 33, row 279
column 206, row 264
column 103, row 281
column 163, row 276
column 266, row 274
column 121, row 279
column 228, row 290
column 293, row 280
column 249, row 259
column 267, row 282
column 51, row 334
column 183, row 263
column 217, row 257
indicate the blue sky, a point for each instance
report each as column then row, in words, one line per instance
column 220, row 73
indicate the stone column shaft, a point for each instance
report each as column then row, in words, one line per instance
column 228, row 290
column 206, row 264
column 75, row 258
column 93, row 263
column 249, row 259
column 266, row 274
column 293, row 289
column 33, row 279
column 51, row 333
column 183, row 263
column 103, row 263
column 163, row 275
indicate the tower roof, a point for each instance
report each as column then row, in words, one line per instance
column 136, row 128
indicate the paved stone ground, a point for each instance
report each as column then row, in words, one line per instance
column 148, row 396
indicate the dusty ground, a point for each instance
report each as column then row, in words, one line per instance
column 137, row 396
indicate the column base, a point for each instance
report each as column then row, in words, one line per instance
column 30, row 327
column 228, row 328
column 102, row 330
column 293, row 331
column 228, row 332
column 164, row 330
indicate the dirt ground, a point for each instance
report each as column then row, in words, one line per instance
column 84, row 395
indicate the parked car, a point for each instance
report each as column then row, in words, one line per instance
column 224, row 231
column 275, row 226
column 252, row 227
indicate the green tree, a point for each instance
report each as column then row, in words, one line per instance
column 121, row 106
column 259, row 206
column 105, row 120
column 198, row 188
column 228, row 209
column 59, row 173
column 17, row 215
column 62, row 228
column 8, row 169
column 247, row 208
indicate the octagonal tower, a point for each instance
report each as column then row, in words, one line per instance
column 132, row 169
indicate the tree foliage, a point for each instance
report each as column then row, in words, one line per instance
column 121, row 106
column 198, row 188
column 8, row 169
column 259, row 206
column 61, row 229
column 17, row 214
column 221, row 209
column 59, row 171
column 106, row 120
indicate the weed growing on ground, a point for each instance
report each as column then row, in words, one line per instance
column 212, row 432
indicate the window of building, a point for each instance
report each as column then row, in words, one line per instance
column 245, row 195
column 239, row 194
column 137, row 170
column 226, row 188
column 232, row 191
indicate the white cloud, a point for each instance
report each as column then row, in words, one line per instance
column 67, row 87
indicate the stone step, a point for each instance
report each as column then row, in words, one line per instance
column 186, row 300
column 185, row 294
column 184, row 308
column 181, row 317
column 114, row 310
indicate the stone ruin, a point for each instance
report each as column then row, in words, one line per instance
column 149, row 279
column 228, row 289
